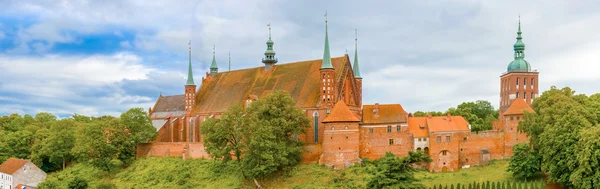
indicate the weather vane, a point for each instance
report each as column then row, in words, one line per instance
column 325, row 16
column 269, row 25
column 214, row 49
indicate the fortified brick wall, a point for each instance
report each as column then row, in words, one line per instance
column 374, row 145
column 471, row 148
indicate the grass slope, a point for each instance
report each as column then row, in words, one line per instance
column 198, row 173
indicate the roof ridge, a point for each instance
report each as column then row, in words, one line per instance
column 287, row 63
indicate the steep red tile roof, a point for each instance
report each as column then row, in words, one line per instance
column 341, row 113
column 12, row 165
column 447, row 124
column 300, row 79
column 388, row 113
column 519, row 106
column 170, row 103
column 415, row 124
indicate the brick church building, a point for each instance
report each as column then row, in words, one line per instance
column 343, row 131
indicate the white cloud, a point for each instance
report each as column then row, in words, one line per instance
column 426, row 56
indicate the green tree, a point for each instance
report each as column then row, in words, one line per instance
column 260, row 137
column 274, row 120
column 103, row 141
column 554, row 130
column 587, row 154
column 136, row 120
column 392, row 171
column 16, row 144
column 224, row 135
column 525, row 161
column 59, row 144
column 78, row 183
column 425, row 114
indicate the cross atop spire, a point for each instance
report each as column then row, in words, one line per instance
column 229, row 60
column 269, row 25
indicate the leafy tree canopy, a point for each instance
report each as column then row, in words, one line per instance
column 397, row 172
column 525, row 161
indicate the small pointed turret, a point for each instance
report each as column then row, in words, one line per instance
column 269, row 60
column 214, row 69
column 355, row 68
column 326, row 54
column 190, row 78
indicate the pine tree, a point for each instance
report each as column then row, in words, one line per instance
column 508, row 185
column 503, row 186
column 451, row 186
column 440, row 186
column 470, row 186
column 458, row 186
column 487, row 185
column 498, row 185
column 434, row 187
column 478, row 186
column 493, row 185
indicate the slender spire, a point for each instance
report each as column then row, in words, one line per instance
column 269, row 60
column 213, row 66
column 229, row 60
column 326, row 54
column 519, row 46
column 356, row 70
column 190, row 78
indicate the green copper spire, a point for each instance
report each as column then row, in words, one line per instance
column 355, row 68
column 190, row 79
column 326, row 54
column 269, row 60
column 213, row 66
column 519, row 64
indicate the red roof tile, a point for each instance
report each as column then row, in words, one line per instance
column 388, row 113
column 415, row 124
column 519, row 106
column 300, row 79
column 170, row 103
column 447, row 124
column 12, row 165
column 341, row 113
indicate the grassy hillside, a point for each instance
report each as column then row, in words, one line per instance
column 178, row 173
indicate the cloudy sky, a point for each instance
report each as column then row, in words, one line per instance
column 103, row 57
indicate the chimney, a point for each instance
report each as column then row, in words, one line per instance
column 410, row 115
column 376, row 110
column 449, row 117
column 429, row 116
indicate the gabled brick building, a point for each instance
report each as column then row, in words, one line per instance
column 343, row 131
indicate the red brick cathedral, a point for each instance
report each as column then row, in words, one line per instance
column 343, row 131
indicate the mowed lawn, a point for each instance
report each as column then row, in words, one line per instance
column 494, row 172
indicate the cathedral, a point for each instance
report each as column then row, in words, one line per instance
column 343, row 131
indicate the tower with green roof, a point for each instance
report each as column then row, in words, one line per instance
column 214, row 69
column 327, row 73
column 269, row 60
column 519, row 80
column 190, row 87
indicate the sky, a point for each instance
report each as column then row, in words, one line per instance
column 104, row 57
